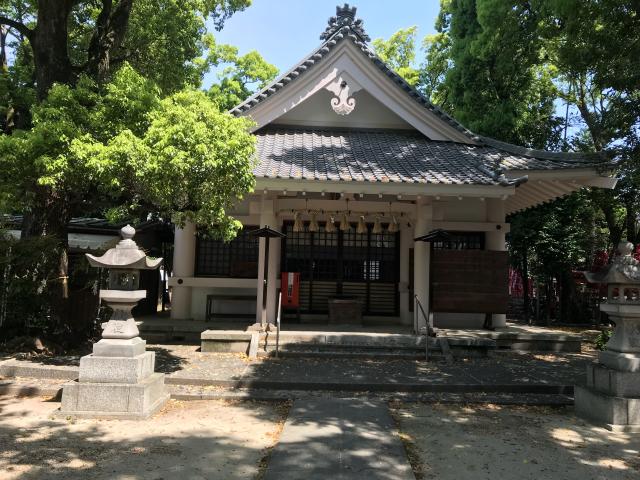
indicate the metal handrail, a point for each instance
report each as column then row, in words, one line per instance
column 278, row 324
column 426, row 320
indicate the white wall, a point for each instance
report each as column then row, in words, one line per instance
column 199, row 301
column 317, row 111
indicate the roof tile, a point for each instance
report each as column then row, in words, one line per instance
column 385, row 156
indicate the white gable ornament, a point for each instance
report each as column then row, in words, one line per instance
column 343, row 87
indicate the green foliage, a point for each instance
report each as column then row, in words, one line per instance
column 166, row 39
column 553, row 243
column 243, row 75
column 433, row 71
column 51, row 153
column 399, row 52
column 601, row 340
column 485, row 66
column 121, row 147
column 193, row 162
column 27, row 274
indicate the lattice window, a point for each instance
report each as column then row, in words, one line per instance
column 462, row 241
column 384, row 249
column 237, row 258
column 354, row 255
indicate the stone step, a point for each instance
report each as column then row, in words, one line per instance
column 20, row 368
column 37, row 388
column 351, row 386
column 190, row 393
column 30, row 387
column 345, row 344
column 333, row 353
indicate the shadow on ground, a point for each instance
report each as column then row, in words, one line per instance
column 194, row 440
column 452, row 442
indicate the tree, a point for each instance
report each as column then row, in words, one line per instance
column 64, row 85
column 596, row 48
column 70, row 38
column 486, row 64
column 399, row 52
column 192, row 163
column 120, row 147
column 243, row 75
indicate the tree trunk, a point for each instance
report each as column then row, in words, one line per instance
column 49, row 45
column 4, row 65
column 108, row 35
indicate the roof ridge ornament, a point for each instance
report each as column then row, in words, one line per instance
column 345, row 17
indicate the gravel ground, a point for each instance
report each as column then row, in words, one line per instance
column 188, row 440
column 458, row 442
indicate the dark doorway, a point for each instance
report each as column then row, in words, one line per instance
column 344, row 263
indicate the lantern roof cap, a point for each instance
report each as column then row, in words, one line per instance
column 266, row 232
column 623, row 269
column 126, row 254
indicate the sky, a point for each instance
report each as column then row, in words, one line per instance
column 284, row 31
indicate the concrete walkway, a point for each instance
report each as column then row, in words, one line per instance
column 339, row 439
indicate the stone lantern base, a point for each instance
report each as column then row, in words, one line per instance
column 117, row 381
column 610, row 398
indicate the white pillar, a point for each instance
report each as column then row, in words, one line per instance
column 269, row 219
column 495, row 241
column 421, row 259
column 184, row 257
column 406, row 241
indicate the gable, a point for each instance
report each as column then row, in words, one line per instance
column 344, row 66
column 317, row 111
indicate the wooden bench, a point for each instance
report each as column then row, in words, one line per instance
column 211, row 299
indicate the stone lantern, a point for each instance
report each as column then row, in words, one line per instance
column 611, row 395
column 118, row 379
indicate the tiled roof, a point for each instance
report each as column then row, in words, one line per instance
column 386, row 156
column 341, row 29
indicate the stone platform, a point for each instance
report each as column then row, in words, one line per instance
column 161, row 329
column 341, row 344
column 610, row 397
column 115, row 400
column 116, row 381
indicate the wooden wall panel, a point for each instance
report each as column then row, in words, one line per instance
column 470, row 281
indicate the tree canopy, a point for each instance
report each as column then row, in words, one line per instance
column 102, row 114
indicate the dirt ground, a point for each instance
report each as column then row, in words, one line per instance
column 461, row 442
column 186, row 440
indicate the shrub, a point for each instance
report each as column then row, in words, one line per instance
column 602, row 339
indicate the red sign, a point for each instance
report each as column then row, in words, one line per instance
column 290, row 288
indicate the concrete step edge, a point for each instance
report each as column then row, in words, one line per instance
column 47, row 372
column 371, row 386
column 338, row 354
column 553, row 399
column 30, row 390
column 444, row 397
